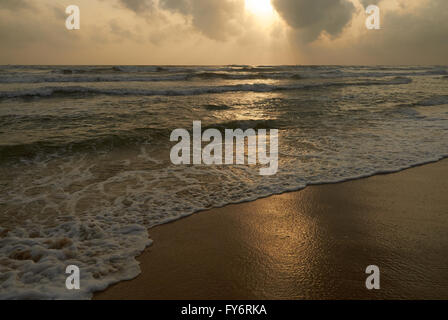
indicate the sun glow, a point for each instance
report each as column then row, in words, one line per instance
column 260, row 8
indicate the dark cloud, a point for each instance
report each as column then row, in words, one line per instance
column 14, row 4
column 412, row 32
column 21, row 29
column 411, row 37
column 118, row 31
column 367, row 3
column 138, row 6
column 217, row 19
column 311, row 18
column 182, row 6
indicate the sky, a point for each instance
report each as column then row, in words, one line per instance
column 221, row 32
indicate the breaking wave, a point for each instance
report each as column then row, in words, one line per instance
column 188, row 91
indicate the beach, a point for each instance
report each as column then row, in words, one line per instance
column 311, row 244
column 90, row 161
column 233, row 149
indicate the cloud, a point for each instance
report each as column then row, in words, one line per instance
column 413, row 36
column 220, row 31
column 216, row 19
column 118, row 31
column 366, row 3
column 412, row 32
column 138, row 6
column 311, row 18
column 14, row 4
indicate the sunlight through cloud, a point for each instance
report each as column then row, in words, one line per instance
column 261, row 8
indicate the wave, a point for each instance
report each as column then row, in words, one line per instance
column 436, row 100
column 245, row 124
column 216, row 107
column 188, row 91
column 433, row 101
column 84, row 205
column 199, row 76
column 115, row 231
column 109, row 69
column 174, row 77
column 165, row 73
column 110, row 141
column 95, row 78
column 44, row 148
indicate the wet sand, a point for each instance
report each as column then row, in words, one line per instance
column 312, row 244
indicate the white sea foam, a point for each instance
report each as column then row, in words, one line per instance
column 105, row 219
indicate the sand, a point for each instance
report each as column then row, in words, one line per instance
column 312, row 244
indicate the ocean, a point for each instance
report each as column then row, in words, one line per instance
column 85, row 164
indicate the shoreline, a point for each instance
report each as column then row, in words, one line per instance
column 306, row 244
column 429, row 162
